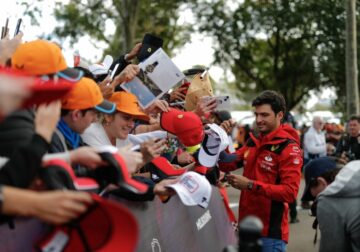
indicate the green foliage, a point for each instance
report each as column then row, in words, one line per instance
column 289, row 46
column 131, row 19
column 31, row 10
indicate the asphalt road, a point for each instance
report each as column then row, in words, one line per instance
column 301, row 233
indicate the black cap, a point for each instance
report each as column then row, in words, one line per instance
column 223, row 115
column 193, row 71
column 150, row 44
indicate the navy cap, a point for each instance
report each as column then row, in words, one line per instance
column 223, row 115
column 150, row 44
column 314, row 169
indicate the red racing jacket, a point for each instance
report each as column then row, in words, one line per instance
column 274, row 163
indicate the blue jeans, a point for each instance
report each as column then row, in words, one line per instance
column 273, row 245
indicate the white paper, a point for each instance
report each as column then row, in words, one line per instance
column 157, row 75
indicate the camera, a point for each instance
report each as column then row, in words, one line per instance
column 350, row 155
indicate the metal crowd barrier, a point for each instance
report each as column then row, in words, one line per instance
column 169, row 226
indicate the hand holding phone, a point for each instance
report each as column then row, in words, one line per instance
column 17, row 29
column 222, row 102
column 112, row 74
column 114, row 71
column 224, row 179
column 5, row 29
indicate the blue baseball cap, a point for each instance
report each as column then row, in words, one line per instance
column 314, row 169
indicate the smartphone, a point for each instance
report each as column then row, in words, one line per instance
column 222, row 102
column 5, row 29
column 17, row 29
column 114, row 70
column 224, row 179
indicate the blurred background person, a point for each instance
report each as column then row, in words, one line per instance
column 314, row 141
column 348, row 147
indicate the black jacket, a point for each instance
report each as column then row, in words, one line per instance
column 349, row 145
column 23, row 147
column 24, row 163
column 122, row 64
column 15, row 131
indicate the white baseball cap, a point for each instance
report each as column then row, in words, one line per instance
column 215, row 141
column 193, row 189
column 101, row 68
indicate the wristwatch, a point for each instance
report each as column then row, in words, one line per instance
column 250, row 185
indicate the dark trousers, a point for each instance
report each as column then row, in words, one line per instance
column 293, row 210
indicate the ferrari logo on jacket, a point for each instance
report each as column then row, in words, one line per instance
column 274, row 147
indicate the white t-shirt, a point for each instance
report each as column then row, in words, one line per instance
column 95, row 136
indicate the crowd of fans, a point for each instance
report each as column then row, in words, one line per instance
column 60, row 122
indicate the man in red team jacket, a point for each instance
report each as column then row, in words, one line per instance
column 272, row 163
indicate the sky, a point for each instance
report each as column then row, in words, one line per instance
column 198, row 51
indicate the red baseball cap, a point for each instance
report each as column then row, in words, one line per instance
column 187, row 126
column 59, row 175
column 117, row 173
column 160, row 168
column 39, row 91
column 106, row 226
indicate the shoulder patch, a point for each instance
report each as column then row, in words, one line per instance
column 274, row 147
column 278, row 148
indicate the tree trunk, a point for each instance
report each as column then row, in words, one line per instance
column 128, row 11
column 352, row 90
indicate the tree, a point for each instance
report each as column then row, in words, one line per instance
column 131, row 19
column 289, row 46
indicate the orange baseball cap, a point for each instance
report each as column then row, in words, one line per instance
column 41, row 57
column 86, row 94
column 128, row 103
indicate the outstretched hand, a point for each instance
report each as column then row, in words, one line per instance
column 161, row 188
column 152, row 149
column 205, row 106
column 46, row 118
column 157, row 107
column 126, row 75
column 86, row 156
column 8, row 47
column 133, row 159
column 132, row 54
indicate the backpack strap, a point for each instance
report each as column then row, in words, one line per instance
column 62, row 139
